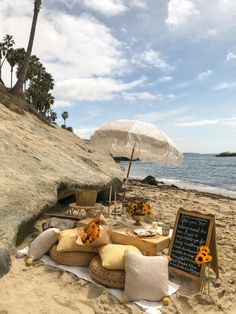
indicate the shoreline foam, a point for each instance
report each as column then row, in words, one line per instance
column 194, row 186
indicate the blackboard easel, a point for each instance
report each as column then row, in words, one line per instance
column 191, row 230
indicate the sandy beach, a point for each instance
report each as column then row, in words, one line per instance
column 44, row 289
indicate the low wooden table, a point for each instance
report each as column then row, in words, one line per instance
column 83, row 211
column 148, row 245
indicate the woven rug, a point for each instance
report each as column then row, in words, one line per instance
column 82, row 272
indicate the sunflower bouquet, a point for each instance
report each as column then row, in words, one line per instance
column 91, row 233
column 204, row 258
column 140, row 208
column 97, row 233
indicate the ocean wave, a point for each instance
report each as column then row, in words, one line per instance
column 187, row 185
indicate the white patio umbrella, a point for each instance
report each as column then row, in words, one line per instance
column 120, row 137
column 136, row 140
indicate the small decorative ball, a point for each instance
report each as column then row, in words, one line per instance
column 29, row 261
column 166, row 300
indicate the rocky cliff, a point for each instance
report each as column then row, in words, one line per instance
column 40, row 164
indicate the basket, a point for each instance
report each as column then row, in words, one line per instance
column 81, row 259
column 107, row 277
column 86, row 197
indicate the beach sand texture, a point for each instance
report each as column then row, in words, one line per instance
column 43, row 289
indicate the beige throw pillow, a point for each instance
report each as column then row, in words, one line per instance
column 43, row 242
column 146, row 277
column 70, row 241
column 112, row 255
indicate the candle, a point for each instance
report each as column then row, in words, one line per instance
column 109, row 202
column 110, row 194
column 154, row 225
column 123, row 217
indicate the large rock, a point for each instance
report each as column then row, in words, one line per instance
column 150, row 180
column 39, row 165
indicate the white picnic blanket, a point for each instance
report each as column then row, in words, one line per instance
column 82, row 272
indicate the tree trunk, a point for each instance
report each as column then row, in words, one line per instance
column 0, row 70
column 11, row 75
column 18, row 87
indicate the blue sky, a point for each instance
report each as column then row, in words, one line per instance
column 170, row 63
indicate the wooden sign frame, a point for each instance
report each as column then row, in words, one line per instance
column 210, row 242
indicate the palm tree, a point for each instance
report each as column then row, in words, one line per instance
column 65, row 116
column 12, row 60
column 52, row 116
column 18, row 87
column 37, row 94
column 5, row 47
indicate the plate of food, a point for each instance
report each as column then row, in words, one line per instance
column 143, row 233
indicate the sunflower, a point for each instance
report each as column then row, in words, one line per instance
column 131, row 212
column 208, row 259
column 200, row 259
column 204, row 249
column 151, row 213
column 145, row 209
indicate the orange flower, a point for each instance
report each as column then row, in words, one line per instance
column 208, row 259
column 203, row 255
column 151, row 213
column 204, row 249
column 200, row 259
column 91, row 233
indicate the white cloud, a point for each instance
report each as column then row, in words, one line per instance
column 179, row 12
column 206, row 33
column 92, row 89
column 146, row 96
column 212, row 32
column 157, row 116
column 226, row 86
column 90, row 51
column 109, row 8
column 106, row 7
column 201, row 19
column 151, row 58
column 84, row 133
column 139, row 96
column 142, row 4
column 231, row 56
column 225, row 121
column 164, row 79
column 89, row 54
column 204, row 75
column 61, row 104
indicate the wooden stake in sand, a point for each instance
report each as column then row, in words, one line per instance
column 127, row 176
column 109, row 201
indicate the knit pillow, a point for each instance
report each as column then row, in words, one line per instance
column 59, row 223
column 112, row 255
column 146, row 277
column 43, row 242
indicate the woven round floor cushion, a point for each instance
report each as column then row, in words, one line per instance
column 81, row 259
column 107, row 277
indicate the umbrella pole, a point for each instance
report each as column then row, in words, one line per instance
column 127, row 176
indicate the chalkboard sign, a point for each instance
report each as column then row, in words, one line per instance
column 192, row 229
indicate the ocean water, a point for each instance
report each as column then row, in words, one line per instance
column 201, row 172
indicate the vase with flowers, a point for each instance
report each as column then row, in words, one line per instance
column 204, row 259
column 138, row 210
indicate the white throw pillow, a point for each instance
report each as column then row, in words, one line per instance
column 146, row 277
column 43, row 242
